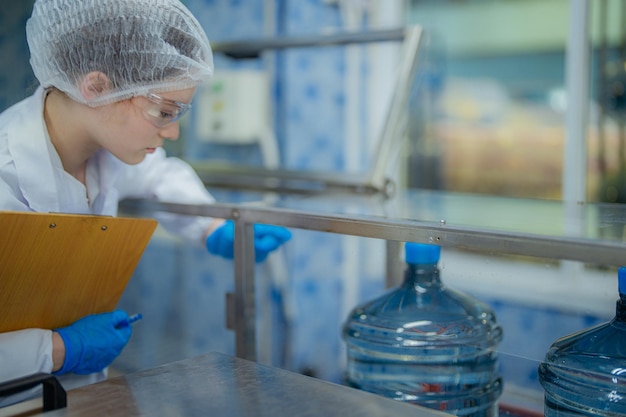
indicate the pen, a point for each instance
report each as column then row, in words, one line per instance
column 129, row 321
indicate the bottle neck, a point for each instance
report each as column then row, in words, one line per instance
column 620, row 309
column 422, row 274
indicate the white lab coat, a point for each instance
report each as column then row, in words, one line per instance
column 32, row 179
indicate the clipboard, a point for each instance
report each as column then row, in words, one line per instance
column 57, row 268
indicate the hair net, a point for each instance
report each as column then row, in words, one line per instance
column 140, row 45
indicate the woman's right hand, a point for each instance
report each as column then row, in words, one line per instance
column 91, row 343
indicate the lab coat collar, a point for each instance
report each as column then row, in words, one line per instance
column 28, row 144
column 102, row 172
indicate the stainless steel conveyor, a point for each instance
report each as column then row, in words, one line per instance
column 221, row 385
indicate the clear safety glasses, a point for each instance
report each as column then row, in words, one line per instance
column 162, row 111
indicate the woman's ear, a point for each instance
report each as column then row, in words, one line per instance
column 94, row 84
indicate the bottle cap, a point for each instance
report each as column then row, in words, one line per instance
column 621, row 280
column 421, row 253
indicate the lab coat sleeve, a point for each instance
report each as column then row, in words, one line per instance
column 25, row 352
column 169, row 180
column 22, row 353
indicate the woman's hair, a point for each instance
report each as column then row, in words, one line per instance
column 139, row 45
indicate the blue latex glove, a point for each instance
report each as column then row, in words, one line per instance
column 94, row 341
column 267, row 238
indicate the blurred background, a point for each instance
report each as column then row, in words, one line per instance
column 486, row 116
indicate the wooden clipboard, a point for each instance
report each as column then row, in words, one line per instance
column 57, row 268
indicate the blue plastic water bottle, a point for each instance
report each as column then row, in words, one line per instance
column 584, row 374
column 426, row 344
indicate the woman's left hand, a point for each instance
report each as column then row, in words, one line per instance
column 267, row 238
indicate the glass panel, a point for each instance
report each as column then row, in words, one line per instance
column 488, row 113
column 601, row 221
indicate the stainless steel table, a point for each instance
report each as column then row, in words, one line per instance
column 223, row 385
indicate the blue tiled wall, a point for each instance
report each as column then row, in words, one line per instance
column 180, row 289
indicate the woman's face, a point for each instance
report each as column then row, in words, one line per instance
column 133, row 128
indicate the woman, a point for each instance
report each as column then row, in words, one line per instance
column 116, row 76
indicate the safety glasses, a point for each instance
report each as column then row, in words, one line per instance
column 162, row 111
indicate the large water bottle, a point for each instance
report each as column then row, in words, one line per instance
column 426, row 344
column 584, row 374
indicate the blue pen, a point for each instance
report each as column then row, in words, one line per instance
column 129, row 321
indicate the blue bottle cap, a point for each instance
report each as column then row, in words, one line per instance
column 421, row 253
column 621, row 280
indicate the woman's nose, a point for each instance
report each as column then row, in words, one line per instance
column 171, row 131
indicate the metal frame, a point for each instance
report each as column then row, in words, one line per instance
column 241, row 308
column 577, row 83
column 390, row 138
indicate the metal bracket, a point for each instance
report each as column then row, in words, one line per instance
column 54, row 395
column 375, row 180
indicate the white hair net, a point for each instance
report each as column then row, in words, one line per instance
column 140, row 45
